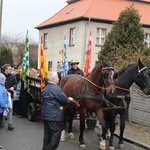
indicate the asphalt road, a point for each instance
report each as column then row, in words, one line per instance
column 29, row 136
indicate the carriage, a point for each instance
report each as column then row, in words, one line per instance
column 30, row 98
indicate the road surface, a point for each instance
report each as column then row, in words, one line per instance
column 29, row 136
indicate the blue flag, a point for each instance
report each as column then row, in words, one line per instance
column 65, row 66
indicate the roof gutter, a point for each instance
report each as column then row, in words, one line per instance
column 81, row 19
column 74, row 20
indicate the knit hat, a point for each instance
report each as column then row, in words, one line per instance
column 2, row 78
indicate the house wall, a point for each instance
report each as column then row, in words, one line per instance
column 82, row 30
column 77, row 51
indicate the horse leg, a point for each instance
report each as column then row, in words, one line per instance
column 112, row 130
column 63, row 133
column 99, row 114
column 122, row 127
column 71, row 117
column 82, row 128
column 102, row 143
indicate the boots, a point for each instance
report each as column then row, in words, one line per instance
column 10, row 127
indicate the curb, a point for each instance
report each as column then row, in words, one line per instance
column 147, row 147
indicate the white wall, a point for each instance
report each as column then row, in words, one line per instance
column 82, row 29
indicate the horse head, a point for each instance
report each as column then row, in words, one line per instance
column 103, row 76
column 142, row 78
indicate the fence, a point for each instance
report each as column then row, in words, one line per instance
column 139, row 110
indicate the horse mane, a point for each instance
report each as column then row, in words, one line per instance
column 121, row 71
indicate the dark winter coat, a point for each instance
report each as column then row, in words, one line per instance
column 53, row 98
column 76, row 71
column 10, row 81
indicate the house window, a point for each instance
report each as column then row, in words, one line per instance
column 50, row 65
column 101, row 35
column 147, row 39
column 72, row 36
column 45, row 40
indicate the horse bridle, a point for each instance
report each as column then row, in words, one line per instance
column 103, row 74
column 92, row 96
column 140, row 73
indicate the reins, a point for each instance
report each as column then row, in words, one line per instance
column 139, row 91
column 135, row 91
column 92, row 83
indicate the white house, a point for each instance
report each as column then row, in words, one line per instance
column 77, row 19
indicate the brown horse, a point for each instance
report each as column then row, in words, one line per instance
column 88, row 93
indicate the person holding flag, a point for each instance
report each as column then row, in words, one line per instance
column 74, row 68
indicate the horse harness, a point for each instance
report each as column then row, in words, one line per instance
column 87, row 95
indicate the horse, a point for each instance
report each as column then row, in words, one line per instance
column 87, row 91
column 135, row 73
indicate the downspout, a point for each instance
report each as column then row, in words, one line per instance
column 85, row 39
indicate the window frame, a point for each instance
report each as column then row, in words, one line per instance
column 45, row 44
column 99, row 36
column 147, row 39
column 72, row 37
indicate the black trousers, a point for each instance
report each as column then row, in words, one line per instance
column 1, row 118
column 52, row 134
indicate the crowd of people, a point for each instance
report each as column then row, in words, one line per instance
column 9, row 95
column 53, row 97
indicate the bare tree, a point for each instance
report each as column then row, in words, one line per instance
column 15, row 43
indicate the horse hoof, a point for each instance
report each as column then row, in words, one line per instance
column 102, row 145
column 83, row 146
column 121, row 146
column 63, row 136
column 111, row 148
column 62, row 139
column 71, row 136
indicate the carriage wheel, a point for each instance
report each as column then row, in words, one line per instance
column 31, row 112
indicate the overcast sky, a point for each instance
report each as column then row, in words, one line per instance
column 22, row 15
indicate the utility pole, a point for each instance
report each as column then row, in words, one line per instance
column 1, row 10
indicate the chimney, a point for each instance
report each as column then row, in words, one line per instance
column 71, row 1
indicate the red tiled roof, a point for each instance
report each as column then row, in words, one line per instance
column 98, row 9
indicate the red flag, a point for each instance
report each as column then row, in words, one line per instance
column 87, row 64
column 43, row 63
